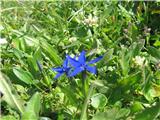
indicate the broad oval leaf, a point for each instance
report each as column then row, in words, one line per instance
column 32, row 109
column 98, row 100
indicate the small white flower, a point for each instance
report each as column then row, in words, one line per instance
column 3, row 41
column 140, row 61
column 72, row 39
column 111, row 68
column 1, row 28
column 91, row 20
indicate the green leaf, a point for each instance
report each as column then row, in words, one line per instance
column 98, row 100
column 127, row 55
column 32, row 64
column 125, row 13
column 38, row 54
column 124, row 112
column 112, row 114
column 130, row 80
column 18, row 53
column 9, row 94
column 156, row 90
column 51, row 53
column 124, row 61
column 108, row 115
column 30, row 41
column 33, row 108
column 153, row 91
column 147, row 88
column 100, row 116
column 137, row 106
column 108, row 55
column 154, row 52
column 68, row 91
column 157, row 43
column 32, row 61
column 137, row 47
column 29, row 115
column 23, row 75
column 149, row 113
column 8, row 117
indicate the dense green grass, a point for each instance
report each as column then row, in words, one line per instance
column 127, row 34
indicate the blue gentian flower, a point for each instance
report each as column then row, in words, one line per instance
column 81, row 64
column 61, row 70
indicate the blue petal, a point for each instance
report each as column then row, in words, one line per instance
column 67, row 70
column 76, row 71
column 58, row 69
column 73, row 62
column 91, row 69
column 58, row 75
column 65, row 63
column 95, row 60
column 82, row 58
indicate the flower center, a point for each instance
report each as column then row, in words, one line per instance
column 64, row 69
column 83, row 66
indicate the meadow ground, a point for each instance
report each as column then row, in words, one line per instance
column 80, row 60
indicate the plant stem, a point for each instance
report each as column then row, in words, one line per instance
column 38, row 87
column 84, row 108
column 84, row 83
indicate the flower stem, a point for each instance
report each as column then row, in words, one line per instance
column 84, row 83
column 84, row 108
column 38, row 87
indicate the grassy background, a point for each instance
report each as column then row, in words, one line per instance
column 46, row 31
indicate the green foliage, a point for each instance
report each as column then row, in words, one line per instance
column 23, row 75
column 37, row 35
column 9, row 94
column 154, row 52
column 98, row 100
column 32, row 109
column 149, row 113
column 8, row 117
column 112, row 114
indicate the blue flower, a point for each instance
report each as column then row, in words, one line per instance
column 61, row 70
column 81, row 64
